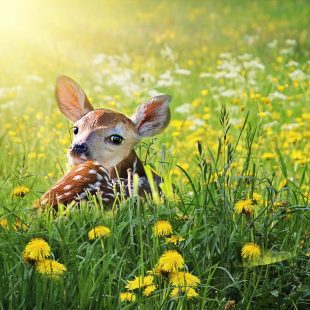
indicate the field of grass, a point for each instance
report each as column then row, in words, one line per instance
column 237, row 151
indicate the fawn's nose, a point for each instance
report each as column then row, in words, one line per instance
column 79, row 148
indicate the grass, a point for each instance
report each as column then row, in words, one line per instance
column 240, row 130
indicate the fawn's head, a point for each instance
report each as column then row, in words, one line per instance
column 105, row 135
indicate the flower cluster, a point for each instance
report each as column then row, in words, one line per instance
column 37, row 252
column 98, row 232
column 246, row 206
column 164, row 229
column 170, row 266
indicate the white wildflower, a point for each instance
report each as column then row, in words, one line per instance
column 167, row 53
column 228, row 93
column 286, row 51
column 291, row 42
column 292, row 63
column 98, row 59
column 245, row 56
column 272, row 44
column 254, row 64
column 34, row 78
column 289, row 126
column 205, row 75
column 277, row 95
column 181, row 71
column 251, row 39
column 184, row 108
column 225, row 56
column 298, row 75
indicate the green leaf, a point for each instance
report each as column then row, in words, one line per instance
column 268, row 258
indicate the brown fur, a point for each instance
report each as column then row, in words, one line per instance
column 106, row 118
column 129, row 163
column 58, row 194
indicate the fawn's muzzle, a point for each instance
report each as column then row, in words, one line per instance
column 79, row 148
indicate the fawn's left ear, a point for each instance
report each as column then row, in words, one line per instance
column 152, row 117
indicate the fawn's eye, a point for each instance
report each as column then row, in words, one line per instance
column 116, row 139
column 75, row 130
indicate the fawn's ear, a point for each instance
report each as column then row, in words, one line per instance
column 71, row 99
column 153, row 116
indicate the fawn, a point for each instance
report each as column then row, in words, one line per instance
column 102, row 152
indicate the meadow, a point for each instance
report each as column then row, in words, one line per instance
column 233, row 229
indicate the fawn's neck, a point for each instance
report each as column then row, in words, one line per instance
column 133, row 162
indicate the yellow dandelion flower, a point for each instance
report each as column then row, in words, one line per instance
column 279, row 204
column 297, row 156
column 265, row 100
column 306, row 116
column 149, row 290
column 174, row 239
column 139, row 282
column 162, row 228
column 156, row 271
column 127, row 296
column 257, row 198
column 170, row 261
column 244, row 206
column 262, row 114
column 20, row 225
column 251, row 251
column 17, row 225
column 191, row 293
column 183, row 278
column 99, row 231
column 4, row 223
column 50, row 268
column 288, row 214
column 283, row 184
column 204, row 92
column 20, row 191
column 175, row 293
column 36, row 249
column 268, row 155
column 187, row 291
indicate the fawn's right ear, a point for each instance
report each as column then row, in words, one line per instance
column 71, row 99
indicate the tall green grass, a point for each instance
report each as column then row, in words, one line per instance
column 207, row 167
column 98, row 270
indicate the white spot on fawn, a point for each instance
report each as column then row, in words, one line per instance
column 77, row 177
column 79, row 169
column 97, row 184
column 99, row 177
column 67, row 187
column 94, row 186
column 103, row 169
column 80, row 196
column 92, row 171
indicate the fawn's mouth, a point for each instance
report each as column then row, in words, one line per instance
column 77, row 159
